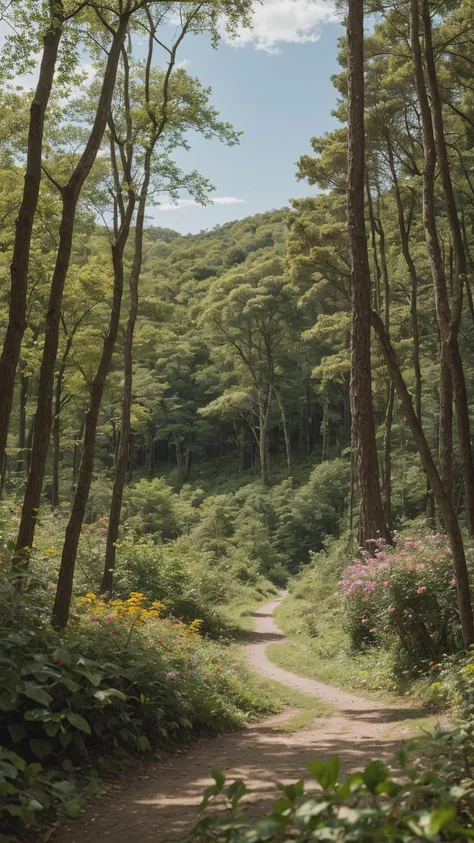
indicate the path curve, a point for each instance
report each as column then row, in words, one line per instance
column 159, row 805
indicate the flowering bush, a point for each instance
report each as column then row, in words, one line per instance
column 405, row 595
column 120, row 679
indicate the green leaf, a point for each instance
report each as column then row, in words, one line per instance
column 440, row 818
column 17, row 732
column 94, row 677
column 51, row 729
column 33, row 769
column 311, row 808
column 73, row 808
column 374, row 774
column 143, row 743
column 325, row 774
column 16, row 759
column 65, row 739
column 35, row 714
column 292, row 791
column 78, row 721
column 40, row 747
column 8, row 701
column 36, row 693
column 110, row 692
column 218, row 777
column 63, row 655
column 236, row 791
column 65, row 787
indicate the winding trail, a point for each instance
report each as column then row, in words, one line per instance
column 160, row 805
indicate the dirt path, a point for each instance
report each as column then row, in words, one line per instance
column 160, row 805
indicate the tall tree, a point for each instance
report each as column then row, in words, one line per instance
column 10, row 356
column 372, row 522
column 70, row 193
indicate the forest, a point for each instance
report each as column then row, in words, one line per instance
column 192, row 425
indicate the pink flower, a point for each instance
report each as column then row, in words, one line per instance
column 453, row 581
column 391, row 610
column 386, row 583
column 421, row 589
column 171, row 676
column 372, row 630
column 365, row 620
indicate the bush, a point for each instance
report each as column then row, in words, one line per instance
column 370, row 805
column 150, row 508
column 121, row 679
column 404, row 598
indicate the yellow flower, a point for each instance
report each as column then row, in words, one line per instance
column 469, row 668
column 90, row 595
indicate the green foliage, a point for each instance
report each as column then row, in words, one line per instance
column 404, row 599
column 119, row 680
column 369, row 805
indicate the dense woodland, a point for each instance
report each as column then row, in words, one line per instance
column 188, row 421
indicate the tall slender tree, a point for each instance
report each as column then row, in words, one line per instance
column 372, row 523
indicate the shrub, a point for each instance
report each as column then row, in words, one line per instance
column 120, row 679
column 150, row 508
column 404, row 598
column 370, row 805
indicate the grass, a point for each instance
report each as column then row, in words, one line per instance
column 237, row 616
column 305, row 709
column 318, row 646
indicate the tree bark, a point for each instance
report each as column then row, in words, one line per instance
column 62, row 601
column 405, row 242
column 122, row 456
column 448, row 320
column 387, row 456
column 286, row 431
column 442, row 499
column 445, row 445
column 372, row 521
column 24, row 391
column 24, row 224
column 70, row 197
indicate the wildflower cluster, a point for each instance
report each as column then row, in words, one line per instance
column 136, row 609
column 405, row 595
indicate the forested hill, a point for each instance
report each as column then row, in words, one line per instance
column 207, row 309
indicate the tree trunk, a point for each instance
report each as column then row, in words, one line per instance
column 24, row 390
column 445, row 445
column 448, row 320
column 73, row 530
column 122, row 457
column 372, row 520
column 442, row 499
column 286, row 430
column 70, row 197
column 387, row 456
column 24, row 223
column 405, row 242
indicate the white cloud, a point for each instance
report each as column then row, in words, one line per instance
column 184, row 63
column 277, row 22
column 191, row 203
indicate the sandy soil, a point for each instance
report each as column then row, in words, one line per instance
column 159, row 804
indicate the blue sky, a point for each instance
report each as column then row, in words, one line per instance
column 276, row 89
